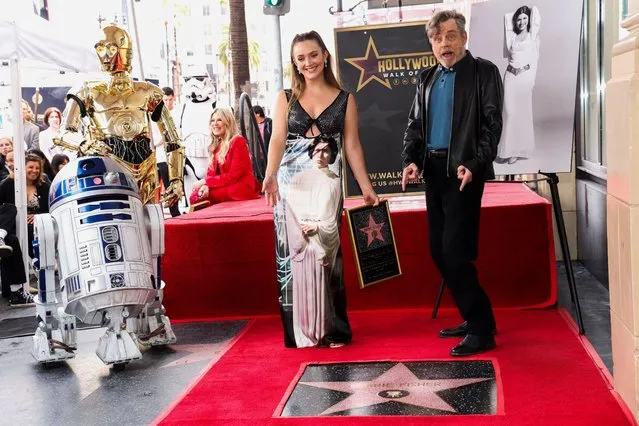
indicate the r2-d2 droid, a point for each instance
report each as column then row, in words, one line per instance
column 107, row 246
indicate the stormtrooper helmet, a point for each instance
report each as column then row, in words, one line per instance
column 199, row 89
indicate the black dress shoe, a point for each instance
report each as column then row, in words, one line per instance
column 460, row 331
column 473, row 344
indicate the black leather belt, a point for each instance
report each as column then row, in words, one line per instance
column 437, row 153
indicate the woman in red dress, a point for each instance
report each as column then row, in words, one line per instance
column 230, row 173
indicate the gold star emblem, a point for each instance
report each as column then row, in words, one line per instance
column 374, row 67
column 368, row 66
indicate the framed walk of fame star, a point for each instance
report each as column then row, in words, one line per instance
column 373, row 240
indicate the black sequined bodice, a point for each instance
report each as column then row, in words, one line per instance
column 329, row 122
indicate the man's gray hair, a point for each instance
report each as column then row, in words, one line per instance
column 432, row 27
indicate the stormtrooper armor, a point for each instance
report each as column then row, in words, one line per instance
column 107, row 245
column 201, row 99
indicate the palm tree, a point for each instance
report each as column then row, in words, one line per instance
column 239, row 51
column 223, row 50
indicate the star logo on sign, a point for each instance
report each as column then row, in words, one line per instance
column 376, row 67
column 373, row 116
column 368, row 66
column 397, row 384
column 373, row 230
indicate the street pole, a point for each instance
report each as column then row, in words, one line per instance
column 19, row 167
column 133, row 22
column 166, row 52
column 277, row 70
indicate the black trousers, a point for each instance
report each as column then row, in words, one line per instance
column 453, row 227
column 11, row 267
column 163, row 172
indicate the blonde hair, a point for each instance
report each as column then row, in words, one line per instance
column 223, row 143
column 7, row 138
column 297, row 80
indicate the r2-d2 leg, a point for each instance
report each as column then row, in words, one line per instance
column 153, row 327
column 55, row 337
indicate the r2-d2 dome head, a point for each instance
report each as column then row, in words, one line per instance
column 86, row 176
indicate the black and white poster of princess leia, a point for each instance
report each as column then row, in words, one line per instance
column 521, row 45
column 535, row 45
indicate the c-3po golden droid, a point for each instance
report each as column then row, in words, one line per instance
column 100, row 237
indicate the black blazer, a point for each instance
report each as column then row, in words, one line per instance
column 477, row 118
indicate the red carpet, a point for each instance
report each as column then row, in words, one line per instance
column 220, row 261
column 547, row 377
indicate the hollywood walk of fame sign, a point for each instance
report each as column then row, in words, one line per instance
column 415, row 388
column 373, row 241
column 380, row 65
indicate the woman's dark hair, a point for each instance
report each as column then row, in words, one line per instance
column 332, row 146
column 258, row 110
column 57, row 160
column 48, row 113
column 46, row 166
column 525, row 10
column 30, row 157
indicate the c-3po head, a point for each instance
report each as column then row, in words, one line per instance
column 116, row 50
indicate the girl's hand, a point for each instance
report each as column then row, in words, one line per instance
column 370, row 197
column 271, row 190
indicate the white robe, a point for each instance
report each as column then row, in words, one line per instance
column 314, row 198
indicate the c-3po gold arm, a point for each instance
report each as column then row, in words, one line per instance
column 74, row 119
column 59, row 141
column 174, row 157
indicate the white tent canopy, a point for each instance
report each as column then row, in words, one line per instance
column 32, row 42
column 35, row 40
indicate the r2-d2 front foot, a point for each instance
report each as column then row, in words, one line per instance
column 117, row 345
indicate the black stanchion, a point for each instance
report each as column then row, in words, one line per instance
column 439, row 299
column 552, row 180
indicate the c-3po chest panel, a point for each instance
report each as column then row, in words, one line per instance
column 122, row 123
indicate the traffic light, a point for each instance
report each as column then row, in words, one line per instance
column 277, row 7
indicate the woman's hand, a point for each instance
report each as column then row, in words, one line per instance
column 370, row 197
column 271, row 190
column 203, row 193
column 198, row 185
column 30, row 218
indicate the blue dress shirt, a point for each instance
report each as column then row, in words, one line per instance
column 440, row 109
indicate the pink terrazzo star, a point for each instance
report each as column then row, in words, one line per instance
column 397, row 384
column 373, row 230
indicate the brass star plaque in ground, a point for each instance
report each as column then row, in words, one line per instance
column 416, row 388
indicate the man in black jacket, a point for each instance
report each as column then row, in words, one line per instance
column 453, row 130
column 264, row 123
